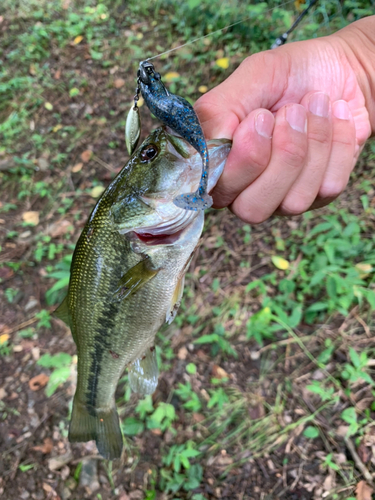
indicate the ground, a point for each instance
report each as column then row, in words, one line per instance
column 266, row 387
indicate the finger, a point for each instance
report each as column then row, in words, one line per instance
column 251, row 86
column 288, row 155
column 249, row 156
column 319, row 139
column 342, row 157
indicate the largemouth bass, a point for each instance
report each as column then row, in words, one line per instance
column 127, row 278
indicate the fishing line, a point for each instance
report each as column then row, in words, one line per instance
column 235, row 24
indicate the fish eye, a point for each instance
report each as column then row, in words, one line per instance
column 149, row 152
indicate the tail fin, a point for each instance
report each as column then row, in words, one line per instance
column 103, row 426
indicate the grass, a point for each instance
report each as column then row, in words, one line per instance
column 268, row 368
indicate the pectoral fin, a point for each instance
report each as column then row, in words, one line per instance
column 134, row 279
column 144, row 373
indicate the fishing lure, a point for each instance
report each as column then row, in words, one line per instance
column 178, row 114
column 133, row 126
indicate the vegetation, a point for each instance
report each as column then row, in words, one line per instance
column 267, row 383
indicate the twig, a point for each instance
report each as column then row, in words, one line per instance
column 103, row 163
column 22, row 325
column 288, row 341
column 361, row 466
column 365, row 326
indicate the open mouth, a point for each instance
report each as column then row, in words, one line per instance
column 168, row 231
column 159, row 239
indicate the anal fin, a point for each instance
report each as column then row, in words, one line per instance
column 144, row 373
column 176, row 300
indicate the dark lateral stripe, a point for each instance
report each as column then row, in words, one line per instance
column 101, row 343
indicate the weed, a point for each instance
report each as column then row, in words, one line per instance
column 61, row 365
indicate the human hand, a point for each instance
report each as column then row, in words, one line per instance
column 298, row 119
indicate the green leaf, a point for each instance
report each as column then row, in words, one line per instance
column 57, row 377
column 355, row 359
column 73, row 92
column 132, row 426
column 56, row 361
column 192, row 4
column 317, row 307
column 191, row 368
column 349, row 415
column 96, row 55
column 311, row 432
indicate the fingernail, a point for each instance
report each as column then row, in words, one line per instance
column 341, row 110
column 319, row 104
column 264, row 124
column 296, row 117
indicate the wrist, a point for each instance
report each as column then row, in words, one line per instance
column 358, row 42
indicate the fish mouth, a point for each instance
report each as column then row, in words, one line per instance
column 167, row 232
column 150, row 239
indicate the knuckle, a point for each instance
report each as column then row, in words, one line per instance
column 332, row 189
column 294, row 206
column 320, row 135
column 293, row 154
column 257, row 160
column 248, row 214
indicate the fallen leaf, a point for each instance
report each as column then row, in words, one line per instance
column 31, row 218
column 32, row 69
column 219, row 372
column 363, row 491
column 4, row 338
column 78, row 39
column 47, row 487
column 156, row 432
column 43, row 164
column 202, row 89
column 3, row 393
column 182, row 353
column 198, row 417
column 280, row 263
column 86, row 155
column 364, row 453
column 223, row 62
column 364, row 269
column 57, row 127
column 171, row 76
column 118, row 83
column 97, row 191
column 38, row 381
column 46, row 447
column 60, row 228
column 77, row 167
column 57, row 74
column 48, row 106
column 56, row 463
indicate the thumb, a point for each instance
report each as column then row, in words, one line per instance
column 258, row 82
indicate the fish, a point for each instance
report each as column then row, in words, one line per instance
column 127, row 278
column 178, row 114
